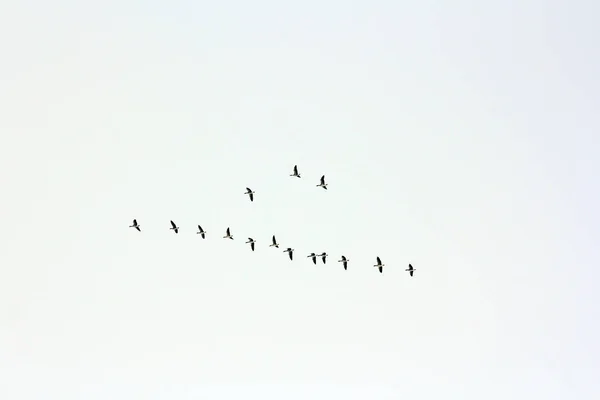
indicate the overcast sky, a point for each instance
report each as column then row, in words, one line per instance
column 461, row 137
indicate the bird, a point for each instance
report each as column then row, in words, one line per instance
column 410, row 269
column 250, row 193
column 323, row 257
column 174, row 227
column 322, row 184
column 251, row 241
column 135, row 225
column 201, row 232
column 275, row 244
column 313, row 256
column 344, row 260
column 296, row 174
column 289, row 250
column 379, row 265
column 228, row 235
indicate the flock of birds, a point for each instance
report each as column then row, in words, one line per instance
column 274, row 243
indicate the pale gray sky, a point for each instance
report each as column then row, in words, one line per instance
column 461, row 137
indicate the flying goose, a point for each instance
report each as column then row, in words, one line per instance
column 410, row 269
column 174, row 227
column 250, row 193
column 379, row 265
column 135, row 225
column 344, row 260
column 201, row 232
column 313, row 256
column 289, row 250
column 323, row 257
column 296, row 174
column 322, row 184
column 275, row 244
column 251, row 241
column 228, row 235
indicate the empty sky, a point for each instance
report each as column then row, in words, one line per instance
column 461, row 137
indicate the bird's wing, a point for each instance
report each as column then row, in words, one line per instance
column 248, row 189
column 378, row 261
column 251, row 197
column 274, row 241
column 228, row 233
column 173, row 224
column 323, row 180
column 410, row 266
column 411, row 273
column 296, row 169
column 138, row 228
column 135, row 221
column 381, row 269
column 344, row 258
column 291, row 257
column 252, row 246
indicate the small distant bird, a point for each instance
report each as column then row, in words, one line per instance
column 289, row 250
column 275, row 244
column 379, row 265
column 313, row 256
column 228, row 235
column 251, row 241
column 344, row 260
column 296, row 174
column 201, row 232
column 410, row 269
column 322, row 184
column 250, row 193
column 135, row 225
column 174, row 227
column 323, row 257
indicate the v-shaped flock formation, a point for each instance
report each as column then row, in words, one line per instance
column 274, row 243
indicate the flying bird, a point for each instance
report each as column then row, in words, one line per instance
column 275, row 244
column 322, row 184
column 296, row 174
column 313, row 256
column 174, row 227
column 250, row 193
column 410, row 269
column 323, row 257
column 344, row 260
column 289, row 250
column 379, row 265
column 251, row 241
column 228, row 235
column 135, row 225
column 201, row 232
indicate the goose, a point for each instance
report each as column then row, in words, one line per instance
column 289, row 250
column 250, row 193
column 135, row 225
column 313, row 256
column 275, row 244
column 201, row 232
column 174, row 227
column 322, row 184
column 379, row 265
column 344, row 260
column 296, row 174
column 410, row 269
column 228, row 235
column 251, row 241
column 323, row 257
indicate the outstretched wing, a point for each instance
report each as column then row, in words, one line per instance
column 251, row 197
column 290, row 253
column 252, row 246
column 381, row 269
column 296, row 169
column 135, row 222
column 138, row 228
column 411, row 272
column 173, row 224
column 323, row 180
column 345, row 265
column 378, row 261
column 228, row 232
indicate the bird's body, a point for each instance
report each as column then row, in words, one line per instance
column 323, row 256
column 313, row 256
column 228, row 235
column 379, row 265
column 410, row 269
column 322, row 184
column 174, row 227
column 201, row 232
column 250, row 193
column 251, row 241
column 135, row 225
column 289, row 250
column 274, row 244
column 296, row 174
column 344, row 262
